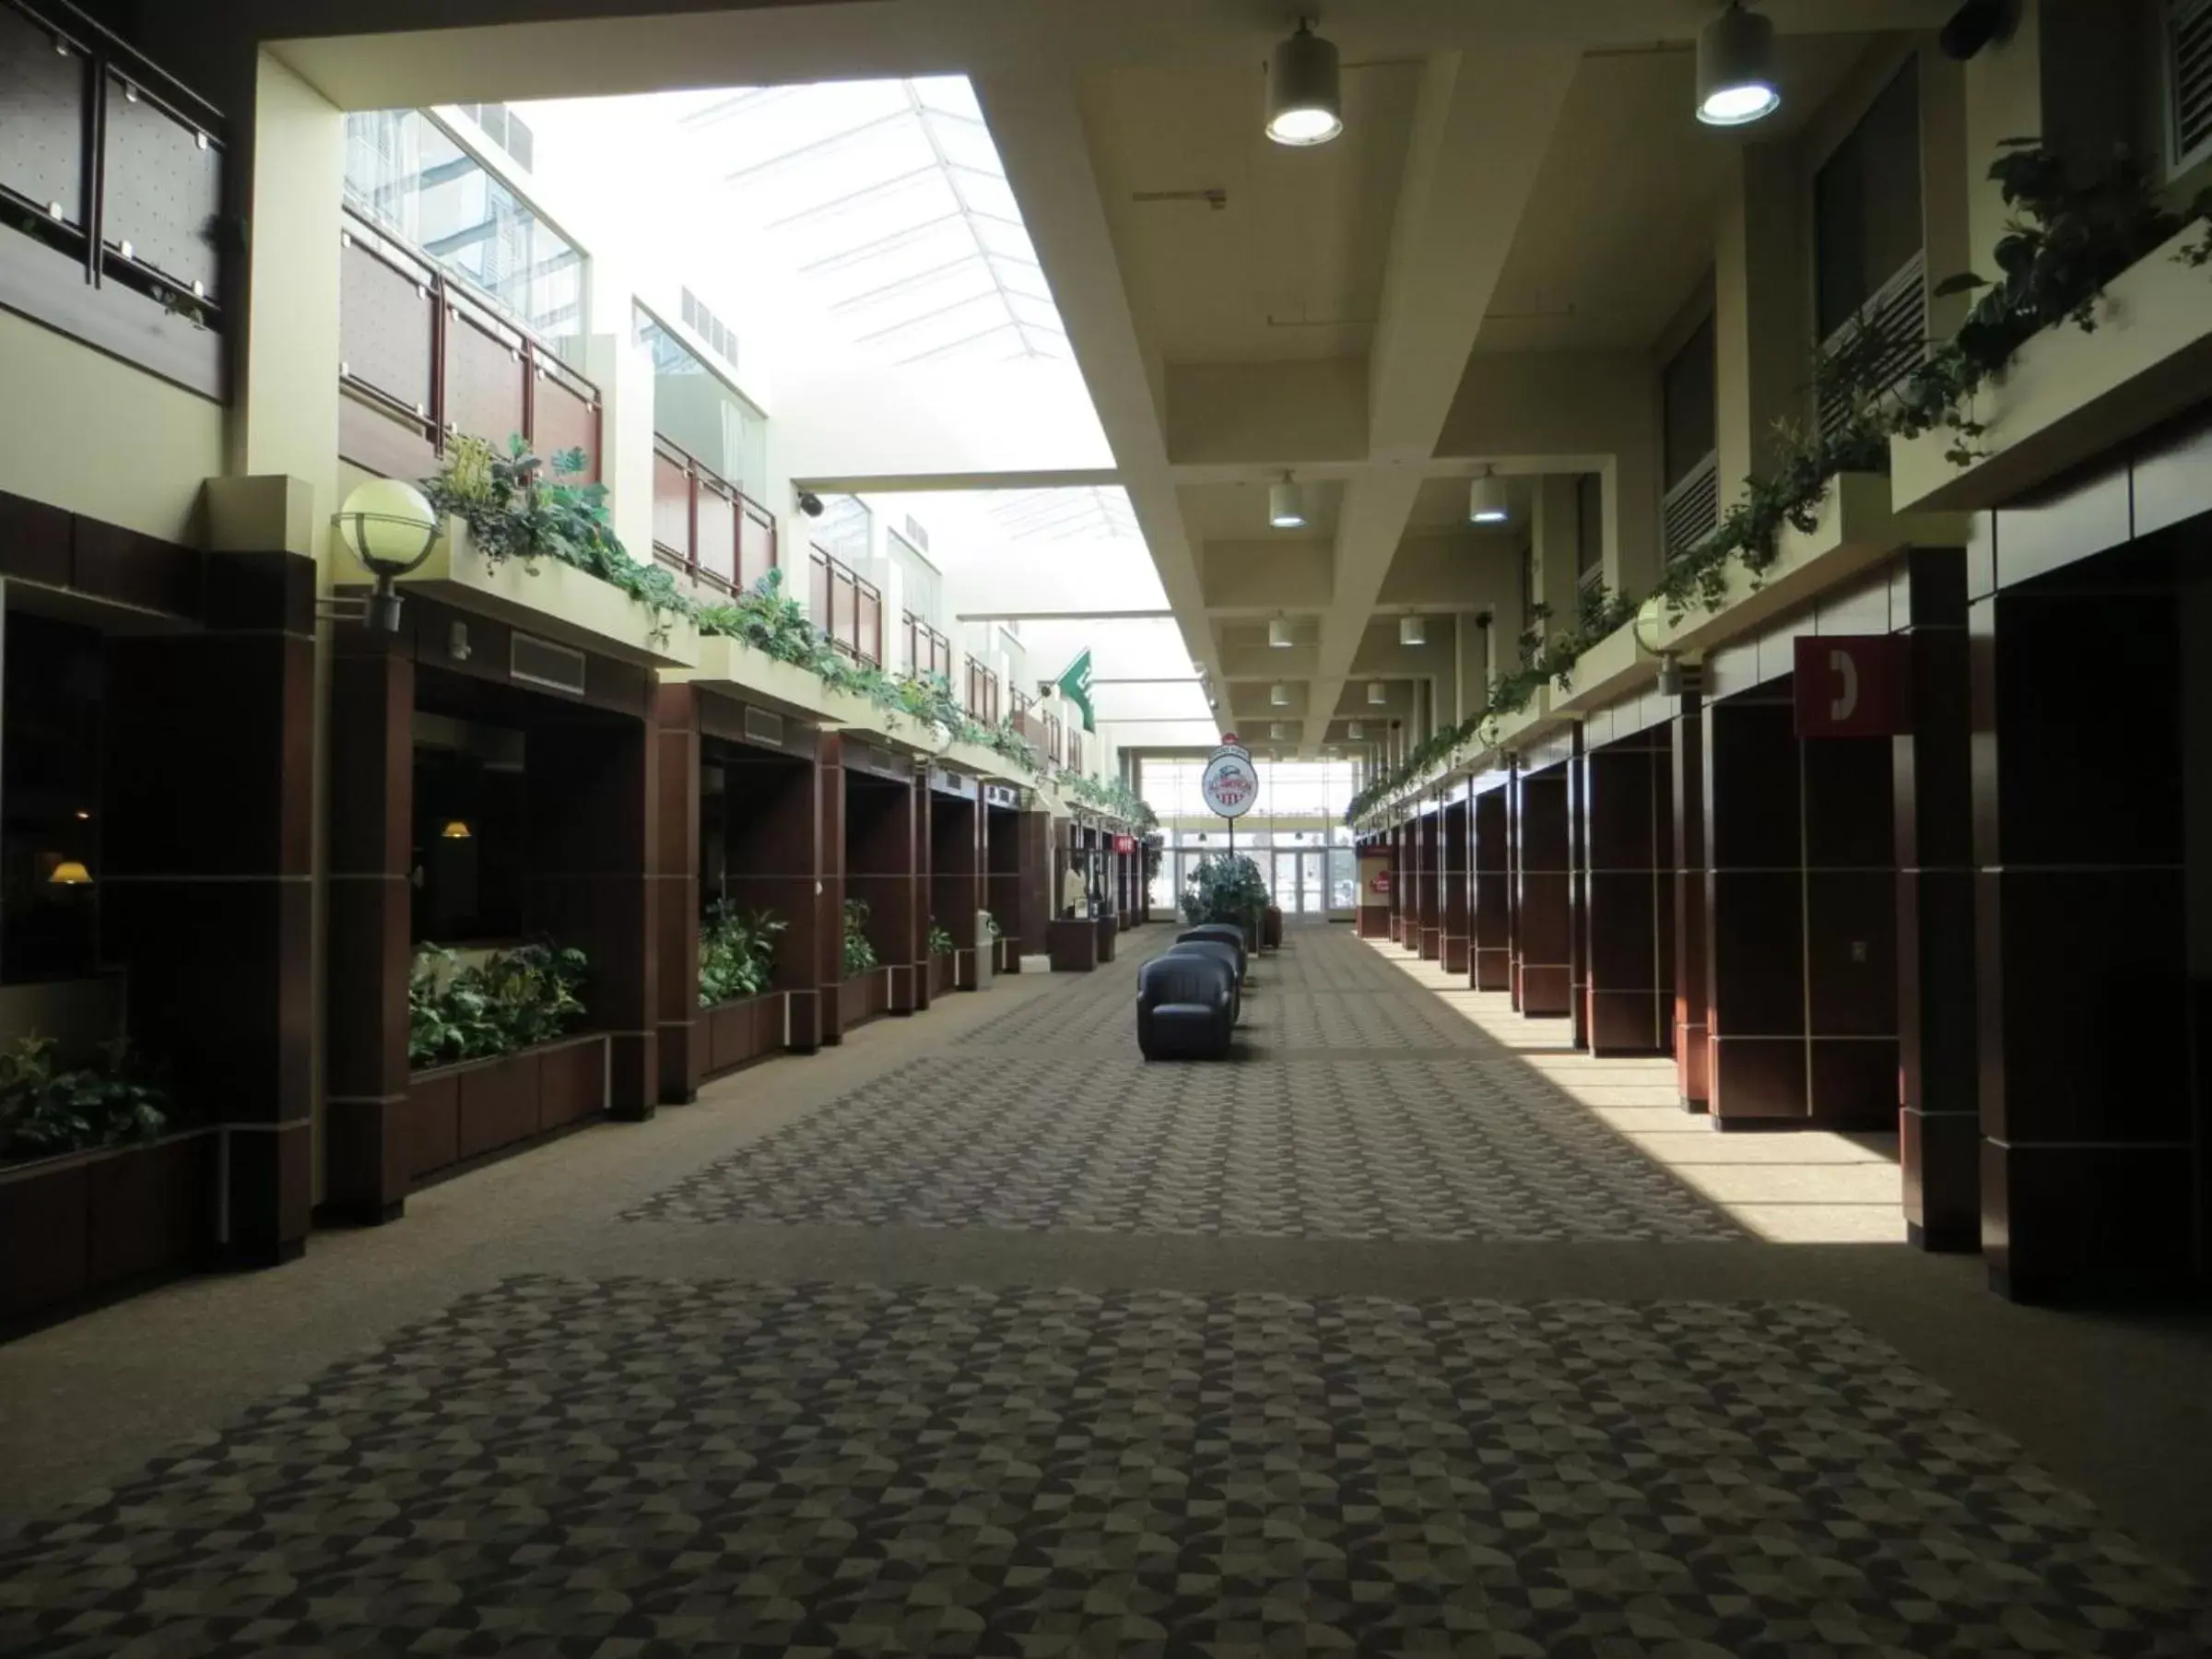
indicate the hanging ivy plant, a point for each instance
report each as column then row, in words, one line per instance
column 2072, row 229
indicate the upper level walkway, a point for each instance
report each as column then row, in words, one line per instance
column 1408, row 1332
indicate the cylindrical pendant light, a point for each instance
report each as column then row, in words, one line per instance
column 1735, row 68
column 1278, row 633
column 1279, row 695
column 1277, row 731
column 1302, row 104
column 1377, row 694
column 1488, row 501
column 1355, row 731
column 1287, row 503
column 1412, row 631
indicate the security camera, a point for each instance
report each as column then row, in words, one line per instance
column 810, row 504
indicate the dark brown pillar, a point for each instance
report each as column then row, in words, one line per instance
column 955, row 878
column 593, row 791
column 1578, row 901
column 1403, row 908
column 885, row 853
column 366, row 1171
column 1932, row 790
column 829, row 900
column 1491, row 945
column 772, row 860
column 680, row 1037
column 1628, row 894
column 2091, row 1158
column 1035, row 871
column 1542, row 958
column 1800, row 920
column 207, row 893
column 1453, row 853
column 1428, row 891
column 1690, row 1034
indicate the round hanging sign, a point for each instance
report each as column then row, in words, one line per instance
column 1230, row 783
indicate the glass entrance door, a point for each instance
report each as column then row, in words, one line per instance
column 1312, row 898
column 1295, row 883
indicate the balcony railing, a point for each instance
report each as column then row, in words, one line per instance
column 706, row 527
column 111, row 200
column 848, row 610
column 927, row 651
column 982, row 694
column 421, row 363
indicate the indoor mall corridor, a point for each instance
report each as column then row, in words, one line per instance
column 1402, row 1334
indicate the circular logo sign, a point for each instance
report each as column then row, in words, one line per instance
column 1230, row 785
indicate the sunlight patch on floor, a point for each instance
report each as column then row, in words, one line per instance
column 1804, row 1186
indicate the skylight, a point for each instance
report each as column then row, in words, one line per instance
column 889, row 200
column 1089, row 514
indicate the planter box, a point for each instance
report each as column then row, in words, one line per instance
column 1005, row 955
column 743, row 1030
column 83, row 1222
column 456, row 1113
column 550, row 599
column 864, row 998
column 940, row 975
column 2069, row 396
column 1110, row 931
column 1074, row 943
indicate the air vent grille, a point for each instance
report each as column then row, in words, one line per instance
column 1897, row 319
column 1692, row 509
column 916, row 533
column 536, row 662
column 2189, row 81
column 760, row 726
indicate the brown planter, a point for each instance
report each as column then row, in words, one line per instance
column 864, row 998
column 456, row 1113
column 1110, row 930
column 742, row 1031
column 940, row 976
column 75, row 1225
column 1074, row 943
column 1271, row 930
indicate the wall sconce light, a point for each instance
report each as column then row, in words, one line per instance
column 391, row 528
column 455, row 829
column 70, row 872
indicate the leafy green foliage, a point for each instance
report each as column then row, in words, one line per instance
column 857, row 954
column 2074, row 230
column 737, row 952
column 940, row 942
column 509, row 1001
column 1115, row 799
column 46, row 1108
column 1225, row 886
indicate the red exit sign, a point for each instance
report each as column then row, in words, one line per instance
column 1850, row 686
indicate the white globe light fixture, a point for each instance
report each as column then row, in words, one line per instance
column 1287, row 504
column 1303, row 104
column 1489, row 500
column 391, row 528
column 1735, row 68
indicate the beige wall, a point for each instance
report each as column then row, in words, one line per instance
column 84, row 432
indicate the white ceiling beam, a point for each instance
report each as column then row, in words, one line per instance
column 1482, row 123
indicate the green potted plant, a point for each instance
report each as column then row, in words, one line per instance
column 743, row 1017
column 865, row 989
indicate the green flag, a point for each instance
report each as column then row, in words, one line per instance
column 1075, row 685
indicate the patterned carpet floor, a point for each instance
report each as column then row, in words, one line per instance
column 593, row 1463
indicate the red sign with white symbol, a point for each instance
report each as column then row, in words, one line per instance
column 1124, row 844
column 1381, row 881
column 1850, row 686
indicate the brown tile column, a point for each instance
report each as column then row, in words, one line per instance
column 1453, row 853
column 886, row 844
column 1490, row 911
column 1399, row 876
column 1932, row 793
column 1429, row 889
column 681, row 1040
column 829, row 900
column 2091, row 1154
column 366, row 1174
column 1578, row 901
column 1755, row 908
column 1688, row 1030
column 1035, row 871
column 1542, row 947
column 1850, row 934
column 955, row 878
column 773, row 860
column 1625, row 799
column 207, row 893
column 592, row 784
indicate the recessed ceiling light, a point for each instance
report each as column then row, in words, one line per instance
column 1735, row 68
column 1302, row 104
column 1489, row 503
column 1287, row 503
column 1412, row 631
column 1278, row 632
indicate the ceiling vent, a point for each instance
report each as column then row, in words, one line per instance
column 536, row 662
column 1896, row 324
column 2188, row 83
column 760, row 726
